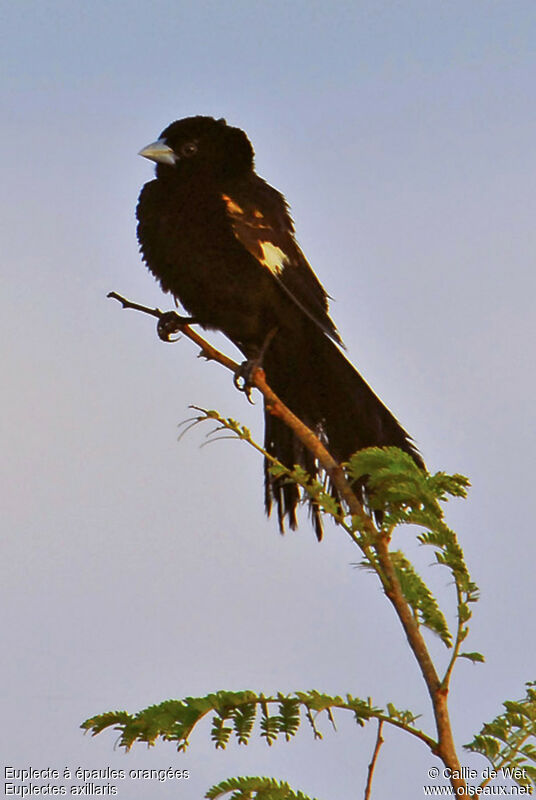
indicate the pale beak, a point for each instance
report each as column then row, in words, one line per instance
column 160, row 152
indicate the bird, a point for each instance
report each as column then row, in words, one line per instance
column 222, row 242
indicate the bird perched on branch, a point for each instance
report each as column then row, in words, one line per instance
column 221, row 241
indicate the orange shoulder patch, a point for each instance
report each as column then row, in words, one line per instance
column 232, row 207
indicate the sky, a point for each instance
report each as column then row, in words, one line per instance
column 137, row 568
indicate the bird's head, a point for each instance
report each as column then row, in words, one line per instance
column 197, row 145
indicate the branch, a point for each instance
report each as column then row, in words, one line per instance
column 372, row 765
column 207, row 350
column 458, row 642
column 275, row 406
column 175, row 720
column 380, row 540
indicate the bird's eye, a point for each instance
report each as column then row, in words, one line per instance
column 189, row 149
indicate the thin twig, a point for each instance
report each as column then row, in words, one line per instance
column 457, row 644
column 207, row 350
column 372, row 765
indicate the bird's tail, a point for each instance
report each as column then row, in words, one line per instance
column 331, row 397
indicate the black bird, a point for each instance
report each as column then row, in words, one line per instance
column 221, row 241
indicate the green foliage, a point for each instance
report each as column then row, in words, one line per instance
column 476, row 658
column 289, row 718
column 509, row 741
column 398, row 493
column 103, row 721
column 173, row 720
column 400, row 489
column 407, row 495
column 405, row 718
column 255, row 789
column 243, row 721
column 220, row 734
column 420, row 598
column 236, row 712
column 314, row 489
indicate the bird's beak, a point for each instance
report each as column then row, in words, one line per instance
column 160, row 152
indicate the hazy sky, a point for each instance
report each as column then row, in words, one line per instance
column 137, row 569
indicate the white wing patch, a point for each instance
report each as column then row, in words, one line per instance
column 273, row 257
column 261, row 233
column 252, row 231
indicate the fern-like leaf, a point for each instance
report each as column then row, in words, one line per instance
column 174, row 720
column 249, row 788
column 420, row 598
column 243, row 719
column 508, row 741
column 289, row 716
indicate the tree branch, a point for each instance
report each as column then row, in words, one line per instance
column 445, row 749
column 372, row 765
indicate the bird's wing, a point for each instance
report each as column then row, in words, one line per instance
column 260, row 221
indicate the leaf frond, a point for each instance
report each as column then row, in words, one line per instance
column 234, row 715
column 250, row 788
column 509, row 740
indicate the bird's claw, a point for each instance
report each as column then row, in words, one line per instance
column 243, row 377
column 170, row 322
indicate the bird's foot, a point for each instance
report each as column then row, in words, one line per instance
column 243, row 377
column 169, row 323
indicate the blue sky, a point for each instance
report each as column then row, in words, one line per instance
column 136, row 568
